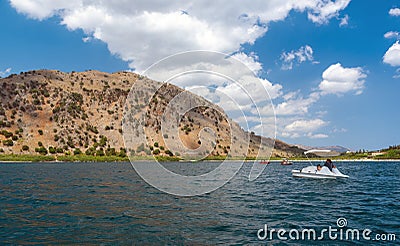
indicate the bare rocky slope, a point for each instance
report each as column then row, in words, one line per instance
column 54, row 113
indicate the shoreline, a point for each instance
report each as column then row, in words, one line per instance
column 341, row 160
column 294, row 161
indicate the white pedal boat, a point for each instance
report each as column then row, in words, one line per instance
column 324, row 173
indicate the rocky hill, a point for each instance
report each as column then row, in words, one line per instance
column 54, row 113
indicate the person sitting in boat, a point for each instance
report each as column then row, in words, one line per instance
column 329, row 164
column 319, row 167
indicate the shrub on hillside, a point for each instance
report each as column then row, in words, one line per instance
column 100, row 152
column 103, row 141
column 52, row 150
column 90, row 151
column 122, row 152
column 6, row 133
column 111, row 151
column 168, row 152
column 41, row 150
column 77, row 151
column 8, row 142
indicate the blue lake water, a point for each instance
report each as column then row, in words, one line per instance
column 108, row 203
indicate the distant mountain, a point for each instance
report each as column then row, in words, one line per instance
column 50, row 112
column 336, row 148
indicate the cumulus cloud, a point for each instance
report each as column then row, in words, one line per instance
column 142, row 32
column 292, row 110
column 5, row 72
column 293, row 104
column 303, row 54
column 251, row 61
column 302, row 127
column 392, row 55
column 339, row 80
column 394, row 12
column 327, row 10
column 392, row 34
column 305, row 125
column 42, row 9
column 296, row 105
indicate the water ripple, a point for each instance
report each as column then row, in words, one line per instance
column 102, row 203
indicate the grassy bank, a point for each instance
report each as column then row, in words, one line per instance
column 26, row 158
column 90, row 158
column 79, row 158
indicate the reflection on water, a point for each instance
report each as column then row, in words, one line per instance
column 108, row 203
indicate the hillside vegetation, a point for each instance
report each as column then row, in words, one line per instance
column 51, row 113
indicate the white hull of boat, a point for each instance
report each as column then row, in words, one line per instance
column 324, row 173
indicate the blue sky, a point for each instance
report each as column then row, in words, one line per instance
column 322, row 41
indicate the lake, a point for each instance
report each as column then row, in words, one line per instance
column 108, row 203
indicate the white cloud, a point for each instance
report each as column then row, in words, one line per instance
column 392, row 55
column 251, row 61
column 317, row 136
column 321, row 113
column 5, row 72
column 344, row 21
column 242, row 83
column 392, row 34
column 291, row 112
column 304, row 53
column 265, row 129
column 291, row 95
column 42, row 9
column 290, row 135
column 305, row 125
column 142, row 32
column 339, row 80
column 248, row 94
column 296, row 105
column 327, row 10
column 304, row 128
column 394, row 12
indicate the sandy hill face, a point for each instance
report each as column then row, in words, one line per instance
column 51, row 112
